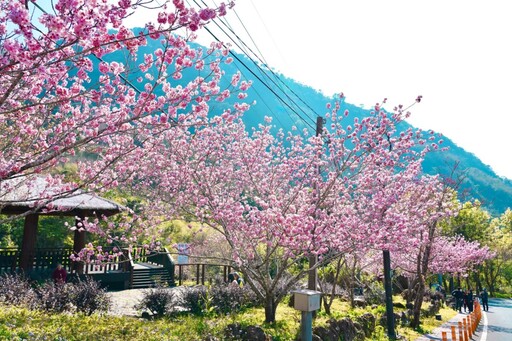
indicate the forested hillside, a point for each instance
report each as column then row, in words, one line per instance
column 292, row 104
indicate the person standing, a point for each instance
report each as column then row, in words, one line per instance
column 59, row 275
column 458, row 294
column 469, row 299
column 465, row 300
column 484, row 296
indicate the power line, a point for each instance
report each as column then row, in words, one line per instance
column 264, row 61
column 262, row 71
column 261, row 80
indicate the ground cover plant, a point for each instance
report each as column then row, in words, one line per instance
column 83, row 296
column 18, row 322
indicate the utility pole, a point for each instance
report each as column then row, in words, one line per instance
column 390, row 316
column 312, row 274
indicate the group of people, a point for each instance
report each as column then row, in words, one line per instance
column 465, row 299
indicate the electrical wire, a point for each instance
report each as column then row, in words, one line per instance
column 264, row 72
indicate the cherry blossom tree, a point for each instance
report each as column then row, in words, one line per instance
column 430, row 202
column 265, row 193
column 67, row 89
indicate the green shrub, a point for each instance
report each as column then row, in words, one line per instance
column 196, row 300
column 88, row 297
column 374, row 294
column 55, row 298
column 231, row 298
column 502, row 295
column 159, row 301
column 16, row 289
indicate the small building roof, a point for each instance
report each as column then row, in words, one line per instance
column 49, row 196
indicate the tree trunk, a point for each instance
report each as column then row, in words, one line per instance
column 418, row 301
column 478, row 283
column 450, row 285
column 468, row 282
column 411, row 284
column 329, row 299
column 327, row 304
column 422, row 270
column 270, row 310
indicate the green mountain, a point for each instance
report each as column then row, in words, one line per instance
column 293, row 104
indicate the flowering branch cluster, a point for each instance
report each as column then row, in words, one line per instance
column 52, row 103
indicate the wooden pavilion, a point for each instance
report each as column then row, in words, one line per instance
column 32, row 196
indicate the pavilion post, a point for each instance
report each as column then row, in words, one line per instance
column 28, row 244
column 79, row 244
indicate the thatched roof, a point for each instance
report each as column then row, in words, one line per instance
column 48, row 196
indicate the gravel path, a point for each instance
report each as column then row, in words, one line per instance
column 123, row 301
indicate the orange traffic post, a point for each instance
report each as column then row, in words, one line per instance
column 470, row 326
column 454, row 335
column 461, row 338
column 444, row 337
column 474, row 322
column 465, row 329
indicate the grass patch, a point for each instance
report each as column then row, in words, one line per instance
column 428, row 324
column 502, row 295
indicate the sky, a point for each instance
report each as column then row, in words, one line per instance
column 456, row 54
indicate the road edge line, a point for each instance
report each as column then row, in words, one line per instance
column 484, row 330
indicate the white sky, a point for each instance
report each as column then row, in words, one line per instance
column 454, row 53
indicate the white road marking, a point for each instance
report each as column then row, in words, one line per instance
column 484, row 330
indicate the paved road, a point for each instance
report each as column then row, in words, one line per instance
column 496, row 324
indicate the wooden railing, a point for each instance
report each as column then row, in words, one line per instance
column 119, row 263
column 130, row 267
column 46, row 259
column 163, row 258
column 9, row 259
column 200, row 271
column 40, row 259
column 141, row 254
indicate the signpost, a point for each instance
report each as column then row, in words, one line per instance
column 183, row 252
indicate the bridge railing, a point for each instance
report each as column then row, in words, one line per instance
column 200, row 272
